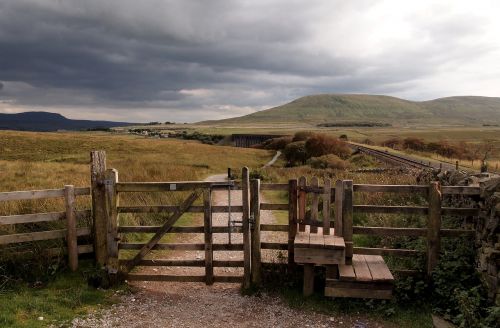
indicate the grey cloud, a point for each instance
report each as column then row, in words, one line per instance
column 130, row 55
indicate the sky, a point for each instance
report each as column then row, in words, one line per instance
column 187, row 61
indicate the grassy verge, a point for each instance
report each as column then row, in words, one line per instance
column 58, row 302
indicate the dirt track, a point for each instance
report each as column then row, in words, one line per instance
column 180, row 304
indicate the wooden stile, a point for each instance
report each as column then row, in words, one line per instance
column 97, row 176
column 256, row 245
column 71, row 236
column 245, row 193
column 209, row 268
column 326, row 206
column 302, row 198
column 292, row 221
column 434, row 227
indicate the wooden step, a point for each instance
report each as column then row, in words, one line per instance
column 319, row 249
column 367, row 277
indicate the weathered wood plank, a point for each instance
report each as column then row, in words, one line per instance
column 245, row 195
column 229, row 279
column 302, row 239
column 167, row 186
column 273, row 207
column 387, row 251
column 434, row 227
column 292, row 221
column 388, row 231
column 274, row 245
column 314, row 205
column 274, row 227
column 71, row 236
column 255, row 211
column 361, row 268
column 378, row 268
column 391, row 188
column 32, row 218
column 173, row 208
column 319, row 256
column 347, row 216
column 326, row 206
column 97, row 176
column 346, row 272
column 40, row 235
column 183, row 246
column 308, row 286
column 207, row 218
column 460, row 190
column 316, row 241
column 390, row 209
column 32, row 194
column 339, row 198
column 112, row 220
column 302, row 198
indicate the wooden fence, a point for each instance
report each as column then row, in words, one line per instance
column 70, row 215
column 342, row 196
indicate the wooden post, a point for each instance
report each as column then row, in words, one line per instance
column 456, row 165
column 302, row 203
column 99, row 225
column 71, row 236
column 314, row 205
column 111, row 178
column 327, row 190
column 207, row 210
column 245, row 193
column 255, row 211
column 308, row 279
column 433, row 227
column 347, row 211
column 292, row 221
column 339, row 197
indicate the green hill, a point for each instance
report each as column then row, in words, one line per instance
column 352, row 108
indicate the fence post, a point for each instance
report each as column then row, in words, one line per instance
column 302, row 203
column 292, row 221
column 433, row 227
column 339, row 197
column 314, row 206
column 207, row 210
column 111, row 178
column 327, row 190
column 255, row 212
column 245, row 193
column 71, row 237
column 99, row 224
column 347, row 219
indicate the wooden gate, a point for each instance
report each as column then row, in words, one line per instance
column 198, row 200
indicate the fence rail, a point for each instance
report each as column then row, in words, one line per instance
column 70, row 215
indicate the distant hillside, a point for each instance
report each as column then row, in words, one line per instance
column 331, row 108
column 45, row 121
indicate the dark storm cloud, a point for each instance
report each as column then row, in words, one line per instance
column 223, row 57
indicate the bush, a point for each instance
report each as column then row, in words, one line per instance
column 277, row 143
column 321, row 144
column 329, row 161
column 302, row 136
column 414, row 144
column 363, row 161
column 393, row 143
column 295, row 153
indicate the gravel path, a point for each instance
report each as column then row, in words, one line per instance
column 181, row 304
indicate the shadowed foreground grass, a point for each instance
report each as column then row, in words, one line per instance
column 62, row 299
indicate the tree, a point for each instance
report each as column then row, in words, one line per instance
column 321, row 144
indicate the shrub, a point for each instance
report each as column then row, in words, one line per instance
column 277, row 143
column 302, row 136
column 321, row 144
column 295, row 153
column 343, row 137
column 329, row 161
column 363, row 161
column 414, row 144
